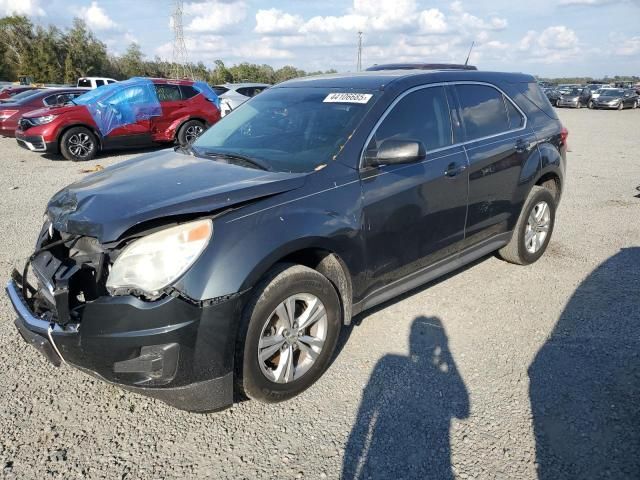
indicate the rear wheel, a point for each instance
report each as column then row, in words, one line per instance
column 78, row 144
column 289, row 333
column 533, row 230
column 189, row 132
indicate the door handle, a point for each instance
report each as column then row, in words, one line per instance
column 454, row 169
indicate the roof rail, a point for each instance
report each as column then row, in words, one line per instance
column 420, row 66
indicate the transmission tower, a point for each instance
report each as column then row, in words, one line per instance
column 359, row 62
column 180, row 67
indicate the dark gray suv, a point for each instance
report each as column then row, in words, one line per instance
column 232, row 265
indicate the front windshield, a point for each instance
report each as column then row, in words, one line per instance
column 612, row 93
column 289, row 129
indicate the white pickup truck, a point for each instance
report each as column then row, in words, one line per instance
column 94, row 82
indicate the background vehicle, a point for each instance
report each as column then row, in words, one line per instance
column 10, row 112
column 136, row 113
column 553, row 95
column 236, row 262
column 232, row 95
column 11, row 90
column 616, row 98
column 94, row 82
column 573, row 97
column 595, row 95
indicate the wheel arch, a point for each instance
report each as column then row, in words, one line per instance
column 66, row 128
column 180, row 123
column 321, row 258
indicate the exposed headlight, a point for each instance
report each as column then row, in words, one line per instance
column 157, row 260
column 42, row 120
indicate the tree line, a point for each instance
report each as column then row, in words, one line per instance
column 51, row 55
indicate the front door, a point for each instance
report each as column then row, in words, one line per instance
column 414, row 214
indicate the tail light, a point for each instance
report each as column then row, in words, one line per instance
column 4, row 114
column 564, row 133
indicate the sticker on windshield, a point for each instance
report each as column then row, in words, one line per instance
column 347, row 98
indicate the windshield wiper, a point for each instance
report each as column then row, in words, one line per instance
column 238, row 159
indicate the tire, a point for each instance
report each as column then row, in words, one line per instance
column 590, row 104
column 261, row 322
column 635, row 105
column 189, row 132
column 517, row 251
column 78, row 144
column 579, row 106
column 621, row 106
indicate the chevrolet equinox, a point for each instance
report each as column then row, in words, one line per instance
column 229, row 266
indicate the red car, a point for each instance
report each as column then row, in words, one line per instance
column 135, row 113
column 10, row 91
column 12, row 110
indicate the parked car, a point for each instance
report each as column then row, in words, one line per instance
column 136, row 113
column 573, row 97
column 234, row 263
column 616, row 98
column 595, row 95
column 10, row 112
column 553, row 95
column 20, row 96
column 94, row 82
column 232, row 95
column 6, row 93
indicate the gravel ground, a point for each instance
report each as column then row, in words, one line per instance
column 497, row 371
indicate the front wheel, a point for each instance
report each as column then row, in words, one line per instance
column 289, row 333
column 590, row 104
column 78, row 144
column 189, row 132
column 621, row 106
column 533, row 230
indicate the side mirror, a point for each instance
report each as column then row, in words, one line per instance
column 393, row 152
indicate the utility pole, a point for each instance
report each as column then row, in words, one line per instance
column 180, row 67
column 359, row 63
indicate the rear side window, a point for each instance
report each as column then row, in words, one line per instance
column 220, row 90
column 168, row 93
column 421, row 115
column 483, row 111
column 516, row 120
column 99, row 83
column 249, row 91
column 188, row 91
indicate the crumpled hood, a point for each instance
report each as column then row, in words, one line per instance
column 108, row 203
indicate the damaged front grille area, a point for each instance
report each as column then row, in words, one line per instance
column 69, row 271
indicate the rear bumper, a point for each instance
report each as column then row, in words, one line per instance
column 168, row 349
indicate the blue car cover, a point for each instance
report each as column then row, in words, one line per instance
column 208, row 93
column 121, row 103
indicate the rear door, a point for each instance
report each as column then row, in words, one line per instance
column 498, row 145
column 127, row 116
column 414, row 214
column 172, row 104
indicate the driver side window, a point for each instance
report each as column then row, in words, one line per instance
column 422, row 115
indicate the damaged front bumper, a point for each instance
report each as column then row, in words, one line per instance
column 173, row 349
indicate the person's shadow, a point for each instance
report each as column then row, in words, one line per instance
column 402, row 428
column 585, row 381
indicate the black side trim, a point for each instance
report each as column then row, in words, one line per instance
column 201, row 397
column 432, row 272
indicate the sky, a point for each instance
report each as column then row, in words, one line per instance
column 542, row 37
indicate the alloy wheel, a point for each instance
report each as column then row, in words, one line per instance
column 80, row 145
column 192, row 133
column 292, row 338
column 537, row 227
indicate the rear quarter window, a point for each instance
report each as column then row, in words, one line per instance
column 534, row 94
column 188, row 91
column 83, row 82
